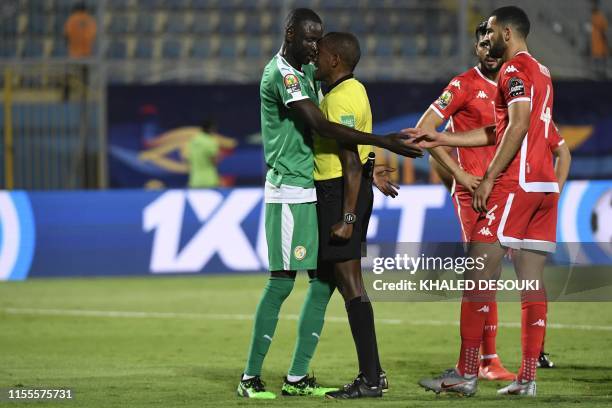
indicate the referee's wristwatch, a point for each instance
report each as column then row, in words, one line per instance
column 349, row 218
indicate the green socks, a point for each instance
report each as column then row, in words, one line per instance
column 266, row 318
column 310, row 325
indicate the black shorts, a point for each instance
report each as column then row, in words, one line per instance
column 329, row 212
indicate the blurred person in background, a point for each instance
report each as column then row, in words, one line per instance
column 202, row 155
column 80, row 33
column 599, row 40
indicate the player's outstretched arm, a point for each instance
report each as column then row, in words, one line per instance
column 352, row 171
column 396, row 142
column 518, row 125
column 430, row 138
column 430, row 121
column 562, row 164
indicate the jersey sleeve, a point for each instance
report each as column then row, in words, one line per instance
column 452, row 99
column 555, row 139
column 340, row 109
column 289, row 87
column 515, row 84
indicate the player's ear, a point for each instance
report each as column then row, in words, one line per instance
column 507, row 33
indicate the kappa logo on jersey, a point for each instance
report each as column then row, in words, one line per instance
column 484, row 309
column 292, row 84
column 445, row 99
column 491, row 215
column 511, row 69
column 540, row 323
column 516, row 87
column 485, row 231
column 456, row 83
column 482, row 95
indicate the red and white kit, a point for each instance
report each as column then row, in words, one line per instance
column 468, row 103
column 523, row 203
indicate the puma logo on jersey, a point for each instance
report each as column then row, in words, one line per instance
column 484, row 309
column 510, row 69
column 456, row 83
column 482, row 95
column 485, row 231
column 540, row 323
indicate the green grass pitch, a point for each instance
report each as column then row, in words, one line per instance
column 183, row 343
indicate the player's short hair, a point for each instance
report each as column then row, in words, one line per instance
column 481, row 30
column 347, row 47
column 300, row 15
column 514, row 16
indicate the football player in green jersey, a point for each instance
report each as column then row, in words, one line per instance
column 289, row 114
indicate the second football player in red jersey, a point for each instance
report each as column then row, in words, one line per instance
column 467, row 103
column 517, row 201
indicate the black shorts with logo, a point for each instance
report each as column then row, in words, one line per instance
column 330, row 195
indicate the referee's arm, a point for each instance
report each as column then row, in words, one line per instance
column 395, row 142
column 351, row 173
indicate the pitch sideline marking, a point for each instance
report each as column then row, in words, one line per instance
column 213, row 316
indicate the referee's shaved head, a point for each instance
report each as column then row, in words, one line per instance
column 346, row 46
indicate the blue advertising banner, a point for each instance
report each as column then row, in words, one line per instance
column 129, row 232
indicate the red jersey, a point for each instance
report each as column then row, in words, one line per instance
column 523, row 78
column 467, row 103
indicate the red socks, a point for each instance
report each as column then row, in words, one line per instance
column 475, row 307
column 533, row 327
column 489, row 351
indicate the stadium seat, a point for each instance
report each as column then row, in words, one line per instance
column 116, row 5
column 59, row 49
column 253, row 48
column 8, row 27
column 203, row 24
column 33, row 48
column 201, row 48
column 117, row 49
column 171, row 48
column 144, row 48
column 434, row 46
column 227, row 25
column 38, row 24
column 408, row 46
column 119, row 24
column 8, row 49
column 177, row 4
column 149, row 5
column 228, row 48
column 383, row 23
column 253, row 25
column 177, row 23
column 358, row 24
column 145, row 23
column 384, row 47
column 203, row 4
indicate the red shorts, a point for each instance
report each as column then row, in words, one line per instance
column 466, row 214
column 519, row 220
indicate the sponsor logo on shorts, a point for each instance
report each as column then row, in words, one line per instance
column 484, row 309
column 516, row 87
column 485, row 231
column 445, row 99
column 299, row 252
column 540, row 323
column 292, row 84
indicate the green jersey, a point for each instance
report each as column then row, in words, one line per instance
column 287, row 140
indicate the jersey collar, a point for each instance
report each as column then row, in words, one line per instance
column 338, row 82
column 484, row 77
column 278, row 54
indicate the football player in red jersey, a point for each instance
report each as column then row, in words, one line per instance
column 516, row 201
column 467, row 103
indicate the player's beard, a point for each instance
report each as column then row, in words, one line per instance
column 497, row 49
